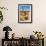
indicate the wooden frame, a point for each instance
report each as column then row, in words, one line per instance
column 23, row 42
column 24, row 13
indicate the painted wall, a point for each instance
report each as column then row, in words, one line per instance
column 11, row 18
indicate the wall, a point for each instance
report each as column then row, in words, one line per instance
column 25, row 30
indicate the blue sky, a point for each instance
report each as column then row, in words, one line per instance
column 25, row 7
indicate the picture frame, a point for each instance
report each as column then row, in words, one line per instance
column 24, row 13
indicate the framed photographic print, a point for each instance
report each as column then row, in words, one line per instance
column 24, row 13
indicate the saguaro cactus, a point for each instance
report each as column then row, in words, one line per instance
column 1, row 15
